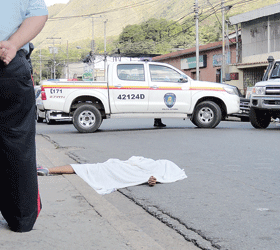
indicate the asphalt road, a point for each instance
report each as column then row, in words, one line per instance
column 230, row 199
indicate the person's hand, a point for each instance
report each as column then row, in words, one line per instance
column 7, row 51
column 152, row 181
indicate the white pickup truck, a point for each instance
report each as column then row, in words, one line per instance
column 141, row 90
column 265, row 97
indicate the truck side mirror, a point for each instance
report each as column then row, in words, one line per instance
column 183, row 79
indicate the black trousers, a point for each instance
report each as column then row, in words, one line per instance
column 19, row 196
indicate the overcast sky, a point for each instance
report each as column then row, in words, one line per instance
column 51, row 2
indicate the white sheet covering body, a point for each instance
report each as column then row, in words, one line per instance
column 113, row 174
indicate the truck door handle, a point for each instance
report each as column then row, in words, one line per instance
column 118, row 86
column 154, row 87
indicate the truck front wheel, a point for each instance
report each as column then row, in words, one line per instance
column 207, row 115
column 259, row 118
column 87, row 118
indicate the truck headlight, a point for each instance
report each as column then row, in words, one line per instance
column 232, row 91
column 259, row 90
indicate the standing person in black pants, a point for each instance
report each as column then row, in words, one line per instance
column 158, row 123
column 20, row 22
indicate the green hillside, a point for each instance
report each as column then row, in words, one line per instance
column 74, row 22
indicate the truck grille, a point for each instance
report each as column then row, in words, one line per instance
column 244, row 105
column 272, row 90
column 271, row 102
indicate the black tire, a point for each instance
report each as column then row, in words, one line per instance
column 87, row 118
column 38, row 118
column 259, row 118
column 48, row 120
column 207, row 114
column 192, row 120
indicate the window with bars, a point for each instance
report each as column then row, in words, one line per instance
column 252, row 75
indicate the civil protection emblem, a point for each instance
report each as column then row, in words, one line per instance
column 169, row 99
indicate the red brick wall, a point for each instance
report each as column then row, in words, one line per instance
column 208, row 73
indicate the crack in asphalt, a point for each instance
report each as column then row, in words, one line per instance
column 190, row 234
column 71, row 154
column 48, row 138
column 77, row 158
column 57, row 145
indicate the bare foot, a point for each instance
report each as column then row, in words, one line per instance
column 152, row 181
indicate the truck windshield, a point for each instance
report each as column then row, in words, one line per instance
column 275, row 73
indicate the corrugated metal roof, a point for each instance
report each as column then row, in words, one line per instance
column 255, row 14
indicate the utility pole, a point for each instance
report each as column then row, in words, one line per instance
column 223, row 78
column 224, row 61
column 92, row 47
column 237, row 43
column 227, row 48
column 268, row 35
column 40, row 64
column 105, row 51
column 67, row 75
column 197, row 39
column 54, row 51
column 92, row 53
column 54, row 62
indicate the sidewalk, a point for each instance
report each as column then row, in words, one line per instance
column 74, row 216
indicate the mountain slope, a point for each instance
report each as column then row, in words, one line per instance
column 75, row 21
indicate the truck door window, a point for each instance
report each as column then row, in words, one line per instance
column 131, row 72
column 275, row 73
column 165, row 74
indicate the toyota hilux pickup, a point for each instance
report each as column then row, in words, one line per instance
column 141, row 90
column 265, row 97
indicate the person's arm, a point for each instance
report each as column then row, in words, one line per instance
column 67, row 169
column 29, row 29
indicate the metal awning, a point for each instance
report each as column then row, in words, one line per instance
column 251, row 65
column 255, row 14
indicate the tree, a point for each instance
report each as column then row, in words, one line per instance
column 132, row 33
column 208, row 34
column 156, row 36
column 150, row 37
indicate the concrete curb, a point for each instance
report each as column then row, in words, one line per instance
column 50, row 155
column 74, row 216
column 134, row 236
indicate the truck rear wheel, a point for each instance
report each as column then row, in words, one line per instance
column 207, row 115
column 87, row 119
column 259, row 118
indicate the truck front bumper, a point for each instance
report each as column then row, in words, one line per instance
column 244, row 108
column 265, row 102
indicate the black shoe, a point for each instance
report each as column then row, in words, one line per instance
column 159, row 124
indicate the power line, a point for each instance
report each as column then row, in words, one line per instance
column 104, row 12
column 187, row 17
column 200, row 20
column 144, row 18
